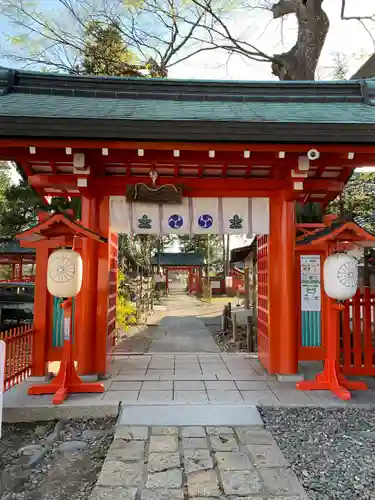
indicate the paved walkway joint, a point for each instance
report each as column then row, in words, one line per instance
column 179, row 463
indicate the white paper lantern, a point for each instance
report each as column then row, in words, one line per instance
column 340, row 276
column 64, row 273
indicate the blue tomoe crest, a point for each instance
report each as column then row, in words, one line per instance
column 175, row 221
column 205, row 221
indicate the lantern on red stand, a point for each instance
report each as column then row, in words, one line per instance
column 64, row 280
column 340, row 284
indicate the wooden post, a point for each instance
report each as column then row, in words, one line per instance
column 85, row 330
column 101, row 339
column 282, row 336
column 247, row 287
column 39, row 366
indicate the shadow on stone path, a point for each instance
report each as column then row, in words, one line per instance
column 180, row 330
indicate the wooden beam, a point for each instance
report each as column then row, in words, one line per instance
column 185, row 146
column 97, row 161
column 114, row 184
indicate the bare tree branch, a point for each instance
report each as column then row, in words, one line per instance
column 367, row 70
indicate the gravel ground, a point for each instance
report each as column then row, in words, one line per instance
column 57, row 460
column 332, row 450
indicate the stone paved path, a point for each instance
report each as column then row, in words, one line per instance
column 180, row 330
column 179, row 463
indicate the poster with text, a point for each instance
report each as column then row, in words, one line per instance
column 310, row 283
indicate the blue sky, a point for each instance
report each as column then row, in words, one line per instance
column 258, row 28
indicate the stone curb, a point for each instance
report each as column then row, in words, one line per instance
column 45, row 413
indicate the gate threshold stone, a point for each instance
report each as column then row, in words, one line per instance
column 180, row 415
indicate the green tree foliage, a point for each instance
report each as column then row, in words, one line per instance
column 211, row 247
column 105, row 53
column 358, row 200
column 309, row 213
column 19, row 204
column 65, row 35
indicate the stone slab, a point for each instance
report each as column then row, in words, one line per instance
column 108, row 493
column 213, row 415
column 295, row 377
column 250, row 436
column 194, row 443
column 190, row 397
column 125, row 386
column 126, row 450
column 224, row 396
column 267, row 456
column 221, row 385
column 166, row 431
column 126, row 396
column 281, row 481
column 155, row 396
column 189, row 385
column 215, row 431
column 244, row 482
column 196, row 460
column 171, row 478
column 194, row 431
column 161, row 385
column 116, row 473
column 224, row 443
column 203, row 484
column 158, row 462
column 162, row 494
column 131, row 432
column 251, row 385
column 163, row 444
column 236, row 460
column 260, row 397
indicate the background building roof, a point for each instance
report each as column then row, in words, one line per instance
column 179, row 259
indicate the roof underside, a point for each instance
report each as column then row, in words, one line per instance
column 68, row 106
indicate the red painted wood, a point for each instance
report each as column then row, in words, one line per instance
column 19, row 355
column 192, row 186
column 263, row 313
column 188, row 159
column 185, row 146
column 367, row 330
column 359, row 336
column 346, row 338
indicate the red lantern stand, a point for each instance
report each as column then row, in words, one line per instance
column 65, row 233
column 331, row 378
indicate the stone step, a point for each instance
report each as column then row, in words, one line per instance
column 178, row 415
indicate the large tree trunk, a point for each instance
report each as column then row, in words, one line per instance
column 300, row 62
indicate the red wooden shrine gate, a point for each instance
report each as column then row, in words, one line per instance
column 212, row 139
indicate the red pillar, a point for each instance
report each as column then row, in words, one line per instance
column 102, row 344
column 39, row 366
column 85, row 330
column 283, row 337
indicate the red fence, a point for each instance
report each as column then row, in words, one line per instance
column 18, row 354
column 358, row 334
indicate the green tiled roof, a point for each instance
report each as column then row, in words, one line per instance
column 50, row 106
column 179, row 259
column 69, row 106
column 9, row 246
